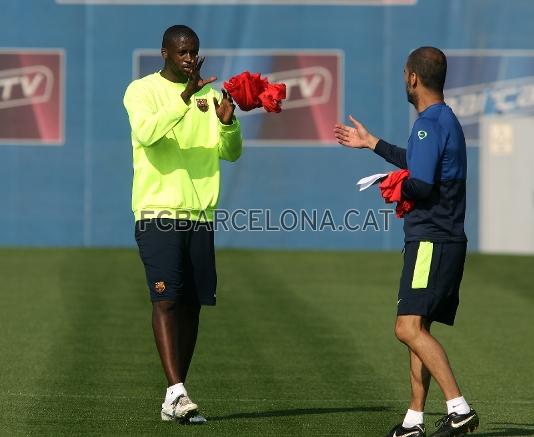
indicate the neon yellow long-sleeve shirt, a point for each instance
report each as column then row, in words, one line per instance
column 176, row 149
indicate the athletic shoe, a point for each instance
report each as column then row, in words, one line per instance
column 181, row 408
column 456, row 424
column 414, row 431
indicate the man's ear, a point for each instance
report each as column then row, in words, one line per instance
column 413, row 79
column 164, row 53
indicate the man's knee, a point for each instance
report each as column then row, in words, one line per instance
column 181, row 309
column 408, row 328
column 164, row 306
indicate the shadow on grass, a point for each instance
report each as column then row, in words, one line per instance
column 509, row 430
column 297, row 412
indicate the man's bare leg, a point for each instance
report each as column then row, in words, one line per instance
column 187, row 318
column 411, row 331
column 164, row 325
column 175, row 330
column 419, row 378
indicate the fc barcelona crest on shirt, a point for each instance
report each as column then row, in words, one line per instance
column 202, row 104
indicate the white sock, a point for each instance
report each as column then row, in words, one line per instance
column 174, row 391
column 458, row 405
column 412, row 418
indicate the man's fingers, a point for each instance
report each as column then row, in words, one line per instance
column 208, row 80
column 344, row 132
column 227, row 96
column 341, row 128
column 215, row 103
column 200, row 61
column 344, row 139
column 355, row 122
column 342, row 135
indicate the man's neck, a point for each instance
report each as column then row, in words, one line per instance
column 170, row 76
column 427, row 100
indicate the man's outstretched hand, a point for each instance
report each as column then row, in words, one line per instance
column 195, row 82
column 357, row 137
column 225, row 109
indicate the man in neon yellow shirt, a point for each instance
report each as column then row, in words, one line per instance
column 181, row 128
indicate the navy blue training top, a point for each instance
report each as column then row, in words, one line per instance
column 436, row 158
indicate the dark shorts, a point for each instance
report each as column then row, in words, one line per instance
column 179, row 259
column 430, row 281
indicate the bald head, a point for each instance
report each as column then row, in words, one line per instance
column 430, row 66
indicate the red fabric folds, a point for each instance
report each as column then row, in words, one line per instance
column 250, row 91
column 245, row 89
column 271, row 98
column 391, row 190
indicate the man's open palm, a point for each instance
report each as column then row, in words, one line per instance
column 225, row 109
column 357, row 136
column 195, row 82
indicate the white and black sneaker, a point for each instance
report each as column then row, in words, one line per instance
column 179, row 409
column 457, row 424
column 414, row 431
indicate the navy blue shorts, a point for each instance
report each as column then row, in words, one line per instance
column 179, row 259
column 430, row 281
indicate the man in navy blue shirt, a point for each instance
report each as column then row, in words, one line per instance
column 435, row 242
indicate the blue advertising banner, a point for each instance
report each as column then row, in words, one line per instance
column 489, row 82
column 336, row 58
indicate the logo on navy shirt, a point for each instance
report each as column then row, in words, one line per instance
column 422, row 134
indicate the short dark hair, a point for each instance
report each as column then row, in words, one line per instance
column 430, row 65
column 175, row 32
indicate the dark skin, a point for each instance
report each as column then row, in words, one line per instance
column 175, row 327
column 175, row 324
column 182, row 65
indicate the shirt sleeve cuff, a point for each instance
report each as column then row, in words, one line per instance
column 381, row 148
column 230, row 127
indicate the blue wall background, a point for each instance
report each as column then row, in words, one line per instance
column 78, row 194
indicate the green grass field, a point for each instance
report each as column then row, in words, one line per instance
column 300, row 344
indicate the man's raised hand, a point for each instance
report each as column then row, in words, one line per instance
column 225, row 109
column 357, row 137
column 195, row 82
